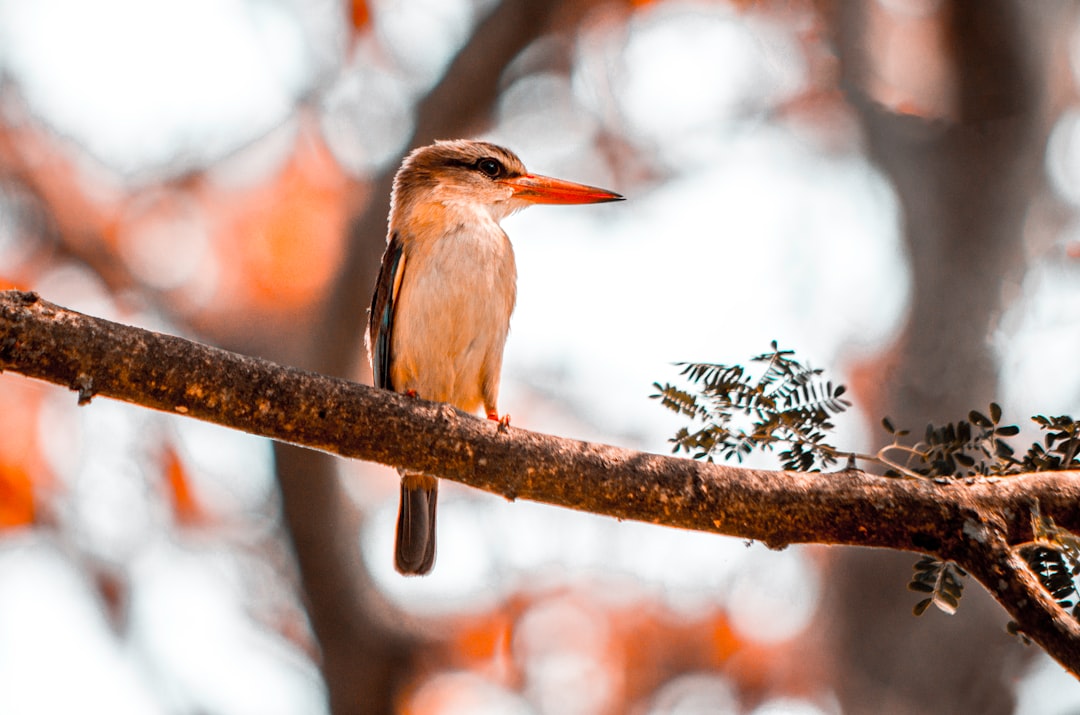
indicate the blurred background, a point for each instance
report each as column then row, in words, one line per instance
column 889, row 187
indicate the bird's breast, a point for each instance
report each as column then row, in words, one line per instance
column 453, row 316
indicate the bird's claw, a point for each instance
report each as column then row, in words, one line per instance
column 410, row 393
column 504, row 421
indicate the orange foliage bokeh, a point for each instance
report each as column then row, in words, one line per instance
column 186, row 507
column 21, row 459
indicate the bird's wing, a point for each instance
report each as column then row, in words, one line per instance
column 383, row 304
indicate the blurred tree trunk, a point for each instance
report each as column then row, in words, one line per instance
column 365, row 662
column 965, row 184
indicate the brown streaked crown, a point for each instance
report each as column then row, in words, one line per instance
column 461, row 168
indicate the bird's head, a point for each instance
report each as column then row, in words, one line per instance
column 479, row 175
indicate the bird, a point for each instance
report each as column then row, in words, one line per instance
column 447, row 284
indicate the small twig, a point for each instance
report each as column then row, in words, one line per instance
column 883, row 459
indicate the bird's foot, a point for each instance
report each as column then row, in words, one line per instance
column 410, row 393
column 504, row 421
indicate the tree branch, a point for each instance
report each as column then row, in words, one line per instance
column 957, row 520
column 1007, row 577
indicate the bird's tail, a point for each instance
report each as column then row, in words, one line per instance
column 414, row 548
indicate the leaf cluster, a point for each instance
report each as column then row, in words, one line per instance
column 736, row 411
column 939, row 579
column 965, row 448
column 978, row 446
column 1062, row 450
column 1054, row 557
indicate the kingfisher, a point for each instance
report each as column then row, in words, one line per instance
column 446, row 288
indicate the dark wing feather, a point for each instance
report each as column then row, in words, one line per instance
column 381, row 319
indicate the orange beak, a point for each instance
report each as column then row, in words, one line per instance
column 545, row 190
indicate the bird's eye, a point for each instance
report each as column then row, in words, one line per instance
column 490, row 167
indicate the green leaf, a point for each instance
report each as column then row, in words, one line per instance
column 953, row 600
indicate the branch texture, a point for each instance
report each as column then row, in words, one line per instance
column 975, row 523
